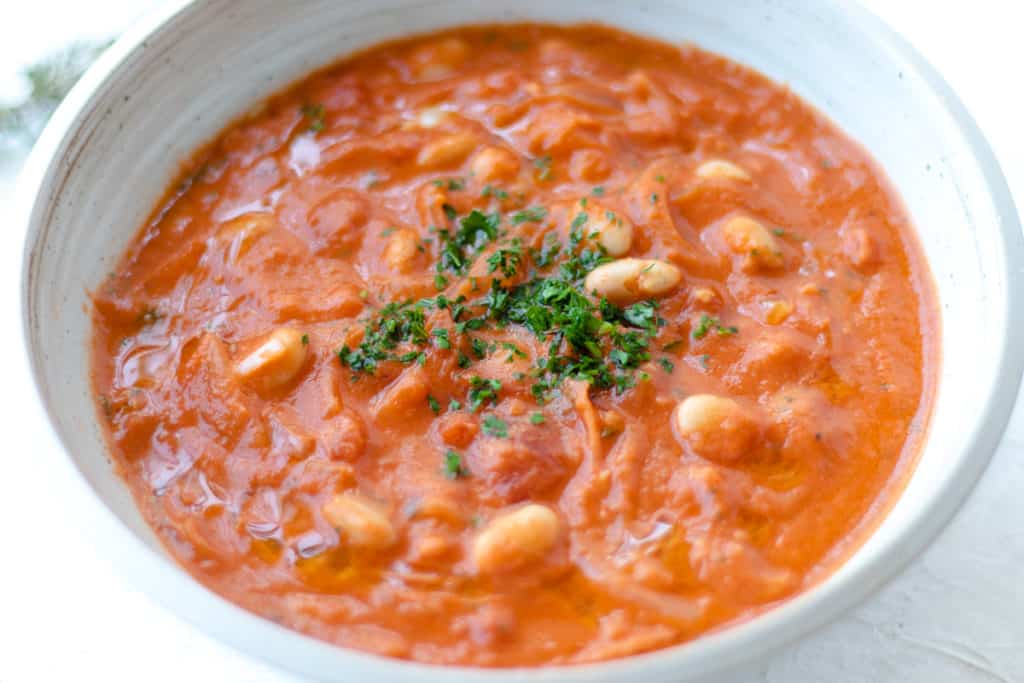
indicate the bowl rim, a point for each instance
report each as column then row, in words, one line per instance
column 169, row 585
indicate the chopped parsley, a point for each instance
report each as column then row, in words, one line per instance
column 314, row 114
column 667, row 365
column 534, row 214
column 578, row 222
column 475, row 230
column 708, row 323
column 441, row 339
column 506, row 260
column 471, row 325
column 305, row 340
column 454, row 404
column 598, row 191
column 537, row 418
column 453, row 467
column 494, row 426
column 514, row 351
column 643, row 314
column 543, row 166
column 479, row 347
column 395, row 324
column 434, row 405
column 596, row 342
column 482, row 391
column 579, row 336
column 496, row 192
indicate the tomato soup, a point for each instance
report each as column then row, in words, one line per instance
column 519, row 345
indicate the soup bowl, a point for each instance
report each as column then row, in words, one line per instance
column 182, row 74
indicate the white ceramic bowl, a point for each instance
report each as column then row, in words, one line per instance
column 175, row 80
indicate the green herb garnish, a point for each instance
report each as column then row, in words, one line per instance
column 514, row 351
column 506, row 260
column 453, row 467
column 476, row 230
column 543, row 165
column 534, row 214
column 482, row 391
column 493, row 426
column 582, row 337
column 396, row 324
column 708, row 323
column 314, row 114
column 441, row 339
column 491, row 191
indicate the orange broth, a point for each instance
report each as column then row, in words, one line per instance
column 373, row 496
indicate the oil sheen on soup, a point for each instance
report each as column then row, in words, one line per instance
column 519, row 345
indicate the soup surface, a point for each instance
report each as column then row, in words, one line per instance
column 519, row 345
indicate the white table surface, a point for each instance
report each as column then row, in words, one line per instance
column 957, row 614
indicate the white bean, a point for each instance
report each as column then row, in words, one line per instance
column 401, row 249
column 719, row 168
column 495, row 163
column 447, row 150
column 614, row 232
column 407, row 392
column 758, row 246
column 630, row 279
column 276, row 361
column 440, row 59
column 704, row 295
column 714, row 427
column 362, row 523
column 243, row 231
column 776, row 312
column 431, row 117
column 516, row 538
